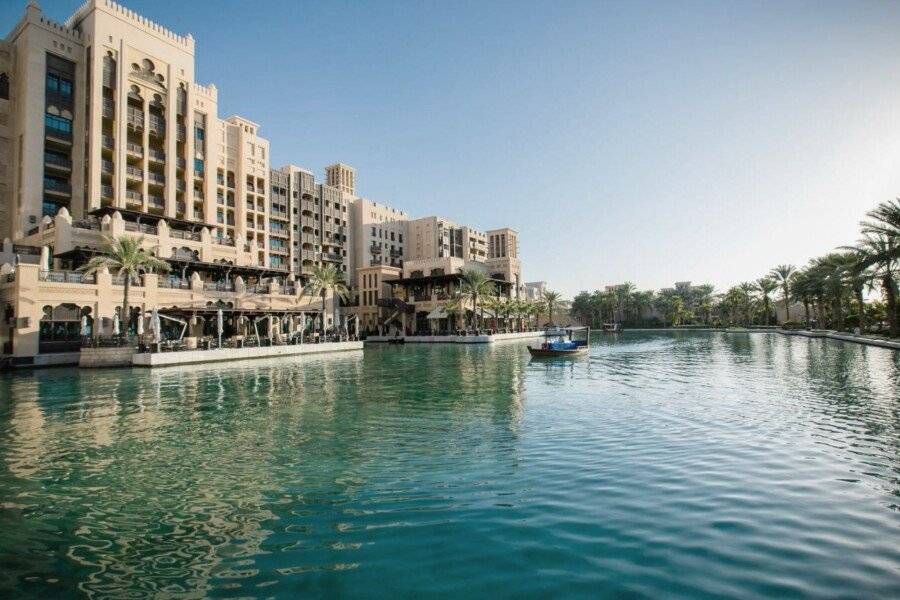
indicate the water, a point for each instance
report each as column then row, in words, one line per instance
column 676, row 465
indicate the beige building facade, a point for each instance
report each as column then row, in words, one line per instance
column 104, row 131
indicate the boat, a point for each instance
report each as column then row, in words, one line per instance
column 562, row 341
column 612, row 328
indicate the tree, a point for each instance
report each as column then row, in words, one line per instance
column 782, row 275
column 766, row 286
column 454, row 306
column 881, row 253
column 126, row 257
column 475, row 284
column 321, row 281
column 551, row 299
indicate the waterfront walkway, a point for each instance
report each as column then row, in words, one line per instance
column 188, row 357
column 809, row 333
column 454, row 339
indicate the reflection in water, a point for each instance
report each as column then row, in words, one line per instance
column 713, row 464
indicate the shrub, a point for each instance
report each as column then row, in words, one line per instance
column 792, row 325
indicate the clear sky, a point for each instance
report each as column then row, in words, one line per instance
column 650, row 142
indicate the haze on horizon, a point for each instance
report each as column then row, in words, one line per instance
column 641, row 141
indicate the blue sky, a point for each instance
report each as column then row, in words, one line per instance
column 650, row 142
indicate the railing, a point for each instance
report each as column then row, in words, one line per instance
column 108, row 141
column 250, row 187
column 120, row 280
column 174, row 283
column 180, row 132
column 180, row 163
column 279, row 214
column 58, row 161
column 57, row 186
column 185, row 235
column 106, row 191
column 332, row 256
column 375, row 249
column 86, row 224
column 157, row 126
column 57, row 133
column 258, row 289
column 156, row 201
column 109, row 108
column 187, row 255
column 135, row 119
column 179, row 185
column 66, row 277
column 135, row 196
column 107, row 166
column 396, row 253
column 133, row 148
column 134, row 172
column 218, row 286
column 157, row 155
column 279, row 232
column 141, row 228
column 223, row 241
column 156, row 178
column 198, row 193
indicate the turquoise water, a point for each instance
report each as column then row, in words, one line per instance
column 663, row 465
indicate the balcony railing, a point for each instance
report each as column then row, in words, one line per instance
column 174, row 283
column 156, row 202
column 156, row 178
column 120, row 280
column 57, row 186
column 135, row 149
column 134, row 197
column 332, row 256
column 109, row 108
column 157, row 155
column 57, row 134
column 106, row 191
column 107, row 166
column 179, row 185
column 218, row 286
column 180, row 132
column 108, row 142
column 157, row 126
column 135, row 119
column 140, row 228
column 180, row 163
column 57, row 161
column 375, row 249
column 258, row 289
column 185, row 235
column 223, row 241
column 134, row 172
column 66, row 277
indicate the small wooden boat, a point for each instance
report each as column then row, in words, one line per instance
column 612, row 328
column 569, row 341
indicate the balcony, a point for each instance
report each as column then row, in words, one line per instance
column 223, row 241
column 156, row 201
column 279, row 214
column 132, row 197
column 250, row 188
column 330, row 256
column 175, row 283
column 308, row 238
column 180, row 132
column 186, row 235
column 156, row 178
column 57, row 162
column 134, row 173
column 109, row 108
column 107, row 166
column 396, row 254
column 106, row 191
column 157, row 155
column 66, row 277
column 218, row 286
column 157, row 126
column 135, row 119
column 180, row 185
column 57, row 188
column 134, row 149
column 58, row 135
column 107, row 142
column 180, row 164
column 198, row 193
column 375, row 249
column 141, row 228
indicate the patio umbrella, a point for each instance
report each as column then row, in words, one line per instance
column 116, row 324
column 84, row 326
column 140, row 324
column 219, row 325
column 45, row 258
column 155, row 325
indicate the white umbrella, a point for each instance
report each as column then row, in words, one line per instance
column 155, row 325
column 140, row 324
column 84, row 326
column 116, row 324
column 219, row 326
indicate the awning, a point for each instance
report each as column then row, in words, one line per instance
column 439, row 313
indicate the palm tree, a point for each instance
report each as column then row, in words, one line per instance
column 802, row 291
column 454, row 306
column 475, row 284
column 126, row 257
column 881, row 253
column 325, row 279
column 885, row 220
column 551, row 299
column 782, row 275
column 766, row 286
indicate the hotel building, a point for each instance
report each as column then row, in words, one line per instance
column 104, row 131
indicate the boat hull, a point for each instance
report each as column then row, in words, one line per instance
column 547, row 353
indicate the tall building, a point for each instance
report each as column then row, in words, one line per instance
column 341, row 177
column 436, row 237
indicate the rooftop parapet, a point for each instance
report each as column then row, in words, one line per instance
column 185, row 41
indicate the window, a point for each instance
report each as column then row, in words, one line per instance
column 59, row 85
column 58, row 123
column 4, row 86
column 199, row 133
column 49, row 209
column 198, row 165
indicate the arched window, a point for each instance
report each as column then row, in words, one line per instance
column 4, row 86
